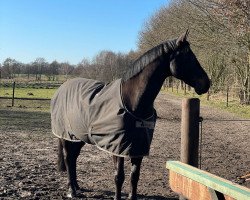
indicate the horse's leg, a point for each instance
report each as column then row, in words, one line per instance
column 119, row 176
column 60, row 162
column 72, row 151
column 77, row 148
column 134, row 176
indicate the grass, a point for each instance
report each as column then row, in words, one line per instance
column 26, row 105
column 217, row 101
column 27, row 92
column 32, row 77
column 30, row 121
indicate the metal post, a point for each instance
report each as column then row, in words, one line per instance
column 190, row 132
column 13, row 93
column 227, row 95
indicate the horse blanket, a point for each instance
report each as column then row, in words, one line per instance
column 91, row 111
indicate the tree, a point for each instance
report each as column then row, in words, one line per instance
column 86, row 70
column 66, row 69
column 219, row 36
column 39, row 66
column 53, row 70
column 106, row 66
column 9, row 68
column 234, row 19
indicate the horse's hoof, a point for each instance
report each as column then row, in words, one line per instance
column 132, row 197
column 71, row 194
column 117, row 198
column 77, row 187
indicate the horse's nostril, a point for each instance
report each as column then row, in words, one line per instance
column 202, row 86
column 206, row 84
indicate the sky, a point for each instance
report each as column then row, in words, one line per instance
column 70, row 30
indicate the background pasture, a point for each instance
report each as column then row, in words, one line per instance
column 24, row 88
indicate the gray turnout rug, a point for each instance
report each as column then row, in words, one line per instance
column 90, row 111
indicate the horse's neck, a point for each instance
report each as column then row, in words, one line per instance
column 140, row 91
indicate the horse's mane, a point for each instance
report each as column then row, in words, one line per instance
column 149, row 57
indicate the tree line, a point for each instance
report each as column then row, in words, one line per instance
column 105, row 66
column 219, row 36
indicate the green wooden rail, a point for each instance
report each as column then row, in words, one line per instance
column 213, row 184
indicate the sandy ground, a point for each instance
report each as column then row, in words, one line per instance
column 28, row 155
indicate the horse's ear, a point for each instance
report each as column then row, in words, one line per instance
column 186, row 34
column 182, row 38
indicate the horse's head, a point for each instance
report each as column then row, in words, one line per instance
column 185, row 66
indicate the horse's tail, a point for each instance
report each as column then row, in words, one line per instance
column 60, row 162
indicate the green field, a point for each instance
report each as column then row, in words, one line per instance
column 217, row 101
column 27, row 92
column 28, row 105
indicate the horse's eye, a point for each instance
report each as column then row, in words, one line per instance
column 186, row 50
column 177, row 53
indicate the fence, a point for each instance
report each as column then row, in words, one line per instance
column 227, row 94
column 36, row 91
column 195, row 184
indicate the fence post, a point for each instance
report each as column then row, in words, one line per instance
column 227, row 95
column 190, row 132
column 13, row 93
column 208, row 95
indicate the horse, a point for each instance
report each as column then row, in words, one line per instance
column 119, row 117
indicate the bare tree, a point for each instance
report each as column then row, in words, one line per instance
column 66, row 69
column 39, row 66
column 86, row 70
column 234, row 19
column 219, row 35
column 9, row 68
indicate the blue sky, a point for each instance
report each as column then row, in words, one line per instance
column 70, row 30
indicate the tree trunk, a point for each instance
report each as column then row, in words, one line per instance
column 248, row 78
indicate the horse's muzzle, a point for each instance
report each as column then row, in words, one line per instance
column 202, row 86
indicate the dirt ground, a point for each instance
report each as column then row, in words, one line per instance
column 28, row 155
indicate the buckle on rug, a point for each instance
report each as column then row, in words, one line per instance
column 144, row 124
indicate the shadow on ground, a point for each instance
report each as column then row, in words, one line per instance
column 107, row 195
column 16, row 120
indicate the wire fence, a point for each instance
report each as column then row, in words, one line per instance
column 16, row 91
column 43, row 90
column 227, row 94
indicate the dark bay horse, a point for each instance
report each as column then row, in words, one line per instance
column 137, row 92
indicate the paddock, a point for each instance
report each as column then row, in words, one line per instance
column 29, row 151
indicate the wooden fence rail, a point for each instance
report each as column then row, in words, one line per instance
column 24, row 98
column 13, row 98
column 195, row 184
